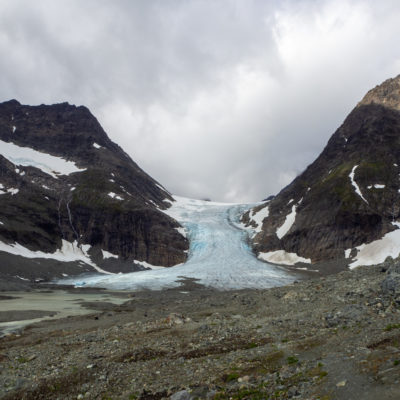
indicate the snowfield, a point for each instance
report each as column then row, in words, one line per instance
column 377, row 251
column 219, row 256
column 28, row 157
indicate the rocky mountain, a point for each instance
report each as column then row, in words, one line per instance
column 72, row 201
column 346, row 203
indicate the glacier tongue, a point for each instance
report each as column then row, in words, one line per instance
column 219, row 256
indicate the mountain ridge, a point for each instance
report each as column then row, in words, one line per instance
column 348, row 196
column 64, row 182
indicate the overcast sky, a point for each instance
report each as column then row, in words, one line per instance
column 226, row 99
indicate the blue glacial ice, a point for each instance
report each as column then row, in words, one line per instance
column 219, row 255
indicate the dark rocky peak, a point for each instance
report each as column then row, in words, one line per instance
column 51, row 128
column 65, row 183
column 10, row 104
column 349, row 196
column 386, row 94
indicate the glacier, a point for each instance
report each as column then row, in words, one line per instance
column 219, row 255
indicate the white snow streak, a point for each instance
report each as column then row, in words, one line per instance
column 28, row 157
column 148, row 265
column 115, row 196
column 353, row 182
column 97, row 146
column 107, row 254
column 163, row 189
column 376, row 186
column 289, row 221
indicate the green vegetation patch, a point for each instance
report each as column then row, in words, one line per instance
column 292, row 360
column 390, row 327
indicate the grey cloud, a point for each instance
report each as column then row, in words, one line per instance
column 222, row 99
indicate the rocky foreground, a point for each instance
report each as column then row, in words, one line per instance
column 335, row 337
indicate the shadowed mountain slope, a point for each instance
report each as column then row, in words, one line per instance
column 348, row 197
column 71, row 200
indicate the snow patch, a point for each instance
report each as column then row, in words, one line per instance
column 258, row 218
column 353, row 182
column 107, row 254
column 283, row 257
column 376, row 186
column 11, row 191
column 14, row 128
column 29, row 157
column 69, row 252
column 377, row 251
column 168, row 201
column 20, row 277
column 154, row 203
column 289, row 221
column 182, row 231
column 72, row 189
column 163, row 189
column 97, row 146
column 1, row 223
column 115, row 196
column 347, row 253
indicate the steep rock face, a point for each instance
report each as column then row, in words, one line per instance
column 65, row 185
column 348, row 196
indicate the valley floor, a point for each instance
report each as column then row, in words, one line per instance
column 333, row 337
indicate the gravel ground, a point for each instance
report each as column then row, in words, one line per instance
column 332, row 337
